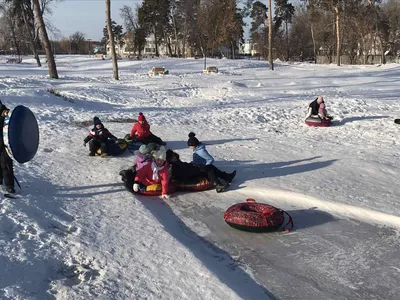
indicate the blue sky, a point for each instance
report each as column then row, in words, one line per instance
column 86, row 16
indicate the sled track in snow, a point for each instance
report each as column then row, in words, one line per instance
column 339, row 209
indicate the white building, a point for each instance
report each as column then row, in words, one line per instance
column 149, row 48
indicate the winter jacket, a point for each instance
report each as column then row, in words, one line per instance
column 100, row 135
column 140, row 130
column 3, row 112
column 145, row 176
column 141, row 160
column 315, row 107
column 201, row 156
column 181, row 170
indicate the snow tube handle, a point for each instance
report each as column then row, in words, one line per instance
column 289, row 222
column 250, row 200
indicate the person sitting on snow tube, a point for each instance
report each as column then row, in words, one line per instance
column 144, row 155
column 204, row 161
column 99, row 138
column 141, row 132
column 185, row 171
column 317, row 109
column 154, row 173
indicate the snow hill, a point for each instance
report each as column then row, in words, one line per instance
column 76, row 233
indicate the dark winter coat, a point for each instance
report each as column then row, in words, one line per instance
column 181, row 170
column 100, row 135
column 314, row 107
column 3, row 112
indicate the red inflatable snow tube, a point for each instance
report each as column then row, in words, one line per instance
column 200, row 184
column 256, row 217
column 155, row 189
column 317, row 122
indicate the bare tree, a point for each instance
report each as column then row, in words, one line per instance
column 270, row 58
column 45, row 40
column 111, row 39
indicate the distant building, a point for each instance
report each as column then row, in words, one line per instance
column 248, row 49
column 125, row 46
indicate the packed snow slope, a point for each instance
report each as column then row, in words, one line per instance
column 76, row 233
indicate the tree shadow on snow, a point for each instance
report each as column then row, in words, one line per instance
column 215, row 259
column 247, row 171
column 177, row 145
column 354, row 119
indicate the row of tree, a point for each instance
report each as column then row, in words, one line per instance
column 301, row 29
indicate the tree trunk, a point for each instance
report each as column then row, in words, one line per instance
column 14, row 38
column 45, row 40
column 155, row 41
column 184, row 39
column 271, row 62
column 337, row 36
column 111, row 38
column 175, row 35
column 31, row 38
column 168, row 42
column 287, row 41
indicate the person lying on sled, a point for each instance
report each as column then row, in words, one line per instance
column 141, row 132
column 317, row 109
column 183, row 171
column 154, row 173
column 99, row 138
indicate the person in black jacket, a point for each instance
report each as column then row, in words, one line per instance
column 317, row 108
column 182, row 171
column 6, row 164
column 99, row 138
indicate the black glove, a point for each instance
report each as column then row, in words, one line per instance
column 84, row 144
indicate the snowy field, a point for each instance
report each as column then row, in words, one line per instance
column 76, row 233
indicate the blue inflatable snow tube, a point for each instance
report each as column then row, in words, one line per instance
column 21, row 134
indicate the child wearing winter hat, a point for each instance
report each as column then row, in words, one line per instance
column 317, row 108
column 204, row 160
column 144, row 155
column 154, row 173
column 98, row 138
column 141, row 131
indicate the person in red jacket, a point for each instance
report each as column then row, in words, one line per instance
column 141, row 131
column 154, row 173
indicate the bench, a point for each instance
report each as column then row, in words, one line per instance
column 13, row 60
column 158, row 71
column 210, row 69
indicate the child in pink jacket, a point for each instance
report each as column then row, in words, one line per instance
column 154, row 173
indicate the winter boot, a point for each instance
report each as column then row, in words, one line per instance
column 230, row 176
column 92, row 154
column 221, row 186
column 10, row 189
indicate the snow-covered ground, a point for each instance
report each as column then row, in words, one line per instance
column 76, row 233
